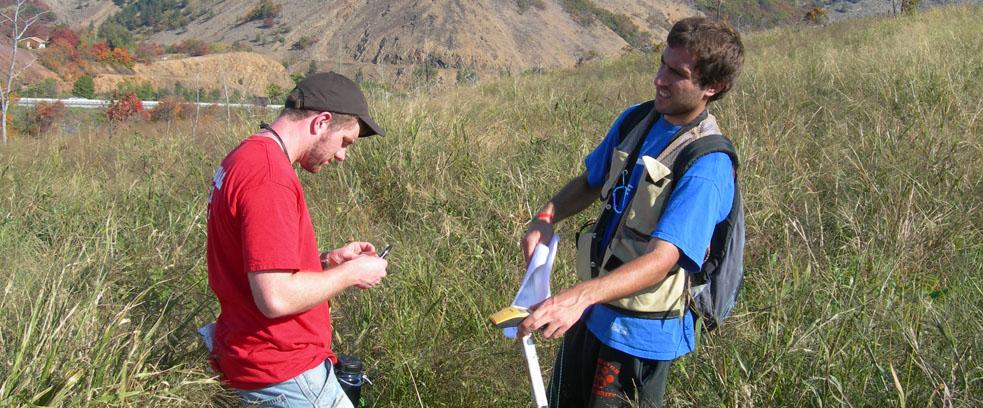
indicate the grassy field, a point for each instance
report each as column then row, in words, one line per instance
column 862, row 151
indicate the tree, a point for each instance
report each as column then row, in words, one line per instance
column 84, row 87
column 115, row 35
column 19, row 20
column 275, row 93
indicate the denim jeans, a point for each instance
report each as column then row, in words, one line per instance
column 317, row 387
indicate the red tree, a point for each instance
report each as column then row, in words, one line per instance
column 65, row 35
column 126, row 108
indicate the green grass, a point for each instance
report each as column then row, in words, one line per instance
column 861, row 148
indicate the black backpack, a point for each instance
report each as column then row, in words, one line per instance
column 714, row 289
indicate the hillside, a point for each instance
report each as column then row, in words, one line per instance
column 242, row 73
column 81, row 13
column 388, row 39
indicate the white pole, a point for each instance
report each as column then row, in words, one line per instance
column 535, row 374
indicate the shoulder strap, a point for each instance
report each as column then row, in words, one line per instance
column 689, row 155
column 634, row 118
column 635, row 126
column 702, row 147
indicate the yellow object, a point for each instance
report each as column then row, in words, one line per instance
column 509, row 317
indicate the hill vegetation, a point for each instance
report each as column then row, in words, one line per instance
column 860, row 145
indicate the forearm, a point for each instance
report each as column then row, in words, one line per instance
column 640, row 273
column 278, row 293
column 573, row 198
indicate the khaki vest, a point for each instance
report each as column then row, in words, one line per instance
column 631, row 238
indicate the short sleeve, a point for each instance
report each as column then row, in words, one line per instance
column 270, row 227
column 598, row 161
column 702, row 199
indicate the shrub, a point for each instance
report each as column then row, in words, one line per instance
column 275, row 93
column 44, row 115
column 125, row 108
column 45, row 88
column 425, row 74
column 193, row 47
column 65, row 36
column 585, row 13
column 147, row 51
column 266, row 9
column 466, row 75
column 169, row 108
column 142, row 90
column 908, row 7
column 303, row 43
column 817, row 16
column 84, row 87
column 527, row 4
column 122, row 57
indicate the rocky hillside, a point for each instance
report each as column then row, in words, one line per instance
column 391, row 39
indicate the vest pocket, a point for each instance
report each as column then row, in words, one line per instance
column 614, row 172
column 646, row 206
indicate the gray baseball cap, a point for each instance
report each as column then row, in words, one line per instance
column 333, row 92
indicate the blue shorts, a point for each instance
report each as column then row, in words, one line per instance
column 317, row 387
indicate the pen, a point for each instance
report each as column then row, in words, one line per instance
column 385, row 251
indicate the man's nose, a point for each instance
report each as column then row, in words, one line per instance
column 658, row 80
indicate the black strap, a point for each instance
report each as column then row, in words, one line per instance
column 266, row 126
column 702, row 147
column 689, row 155
column 639, row 119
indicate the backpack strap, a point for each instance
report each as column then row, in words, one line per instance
column 634, row 118
column 702, row 147
column 636, row 125
column 693, row 152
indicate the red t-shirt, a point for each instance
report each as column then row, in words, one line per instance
column 258, row 220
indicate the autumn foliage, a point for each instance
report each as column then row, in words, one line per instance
column 169, row 108
column 40, row 120
column 125, row 108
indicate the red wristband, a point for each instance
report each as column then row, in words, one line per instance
column 545, row 216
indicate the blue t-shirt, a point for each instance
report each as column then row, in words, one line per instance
column 702, row 199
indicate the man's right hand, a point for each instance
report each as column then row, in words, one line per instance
column 367, row 270
column 540, row 232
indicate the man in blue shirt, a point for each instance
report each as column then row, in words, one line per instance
column 612, row 355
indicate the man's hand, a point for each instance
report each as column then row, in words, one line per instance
column 540, row 232
column 554, row 316
column 366, row 270
column 346, row 253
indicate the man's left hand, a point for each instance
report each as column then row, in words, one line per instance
column 554, row 316
column 346, row 253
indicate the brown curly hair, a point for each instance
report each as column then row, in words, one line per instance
column 717, row 47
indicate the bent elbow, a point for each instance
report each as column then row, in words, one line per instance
column 272, row 307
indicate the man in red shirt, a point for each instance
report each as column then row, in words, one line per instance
column 272, row 340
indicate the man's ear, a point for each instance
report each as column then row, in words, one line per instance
column 321, row 119
column 711, row 90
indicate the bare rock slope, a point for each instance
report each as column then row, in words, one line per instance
column 387, row 38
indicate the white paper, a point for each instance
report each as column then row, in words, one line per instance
column 536, row 284
column 207, row 333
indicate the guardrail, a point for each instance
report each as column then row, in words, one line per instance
column 100, row 103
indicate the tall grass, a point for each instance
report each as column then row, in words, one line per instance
column 861, row 148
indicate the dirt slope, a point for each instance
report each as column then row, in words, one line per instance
column 246, row 72
column 79, row 13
